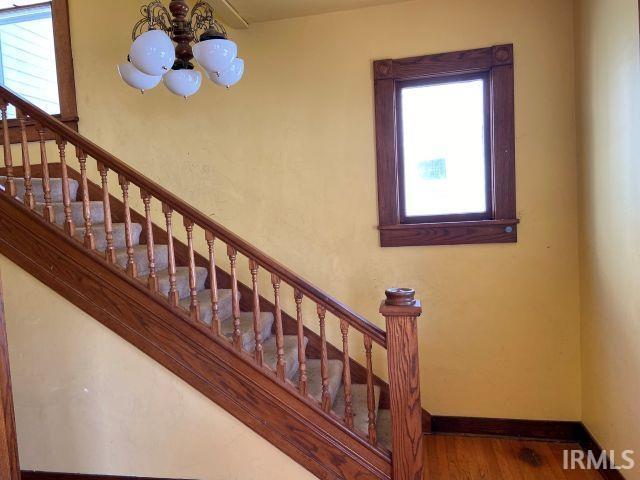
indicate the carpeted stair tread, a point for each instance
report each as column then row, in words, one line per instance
column 77, row 212
column 204, row 300
column 290, row 343
column 182, row 280
column 119, row 238
column 314, row 374
column 246, row 327
column 37, row 188
column 141, row 258
column 359, row 405
column 383, row 428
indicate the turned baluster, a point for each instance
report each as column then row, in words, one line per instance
column 302, row 357
column 69, row 227
column 194, row 307
column 26, row 163
column 89, row 239
column 257, row 322
column 174, row 296
column 401, row 312
column 48, row 213
column 213, row 278
column 281, row 366
column 346, row 374
column 324, row 360
column 8, row 161
column 152, row 279
column 131, row 267
column 110, row 252
column 371, row 395
column 235, row 300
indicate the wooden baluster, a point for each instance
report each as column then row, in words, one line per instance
column 89, row 239
column 194, row 307
column 324, row 360
column 26, row 163
column 257, row 320
column 302, row 356
column 401, row 312
column 174, row 297
column 69, row 227
column 8, row 161
column 213, row 279
column 152, row 279
column 48, row 213
column 237, row 333
column 110, row 252
column 371, row 394
column 131, row 268
column 346, row 374
column 281, row 366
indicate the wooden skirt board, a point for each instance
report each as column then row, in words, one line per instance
column 210, row 365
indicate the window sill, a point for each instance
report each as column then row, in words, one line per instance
column 452, row 233
column 32, row 135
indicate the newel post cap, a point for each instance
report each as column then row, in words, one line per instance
column 401, row 302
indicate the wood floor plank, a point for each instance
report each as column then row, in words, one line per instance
column 457, row 457
column 505, row 459
column 557, row 450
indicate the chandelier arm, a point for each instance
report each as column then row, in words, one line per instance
column 155, row 16
column 202, row 18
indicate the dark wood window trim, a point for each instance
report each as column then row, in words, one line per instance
column 66, row 80
column 499, row 225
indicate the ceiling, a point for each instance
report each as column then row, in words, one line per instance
column 264, row 10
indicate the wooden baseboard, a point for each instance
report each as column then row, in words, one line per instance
column 29, row 475
column 502, row 427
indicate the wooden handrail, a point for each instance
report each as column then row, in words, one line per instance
column 176, row 204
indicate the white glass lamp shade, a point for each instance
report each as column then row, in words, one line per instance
column 153, row 53
column 136, row 79
column 183, row 82
column 215, row 55
column 229, row 77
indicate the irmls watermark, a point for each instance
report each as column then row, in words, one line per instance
column 606, row 459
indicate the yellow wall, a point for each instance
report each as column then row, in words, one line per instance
column 609, row 139
column 287, row 160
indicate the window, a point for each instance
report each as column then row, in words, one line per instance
column 445, row 146
column 27, row 55
column 35, row 57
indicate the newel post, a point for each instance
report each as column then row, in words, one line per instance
column 401, row 311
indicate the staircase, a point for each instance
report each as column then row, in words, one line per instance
column 190, row 305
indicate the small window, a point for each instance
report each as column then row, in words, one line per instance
column 35, row 56
column 445, row 148
column 27, row 56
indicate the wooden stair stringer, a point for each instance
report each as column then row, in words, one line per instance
column 292, row 424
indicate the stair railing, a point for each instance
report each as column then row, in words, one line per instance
column 400, row 309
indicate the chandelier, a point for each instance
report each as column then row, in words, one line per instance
column 154, row 57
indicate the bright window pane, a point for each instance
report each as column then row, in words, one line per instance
column 444, row 148
column 27, row 56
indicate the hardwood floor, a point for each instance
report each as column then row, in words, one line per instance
column 450, row 457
